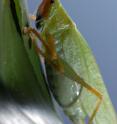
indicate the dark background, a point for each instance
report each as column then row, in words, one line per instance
column 97, row 21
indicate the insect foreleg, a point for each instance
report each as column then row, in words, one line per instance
column 49, row 46
column 35, row 32
column 29, row 32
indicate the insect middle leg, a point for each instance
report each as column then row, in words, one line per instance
column 29, row 30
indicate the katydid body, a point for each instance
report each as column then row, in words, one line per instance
column 66, row 94
column 62, row 68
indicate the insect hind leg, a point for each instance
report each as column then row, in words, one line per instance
column 98, row 102
column 71, row 74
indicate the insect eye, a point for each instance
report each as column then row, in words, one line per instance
column 52, row 1
column 38, row 21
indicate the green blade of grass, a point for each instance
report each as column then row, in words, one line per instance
column 78, row 54
column 24, row 97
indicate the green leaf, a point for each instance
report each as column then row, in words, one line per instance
column 78, row 54
column 24, row 96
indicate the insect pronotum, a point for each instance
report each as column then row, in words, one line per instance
column 52, row 57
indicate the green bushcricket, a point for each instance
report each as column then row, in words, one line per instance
column 62, row 68
column 72, row 63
